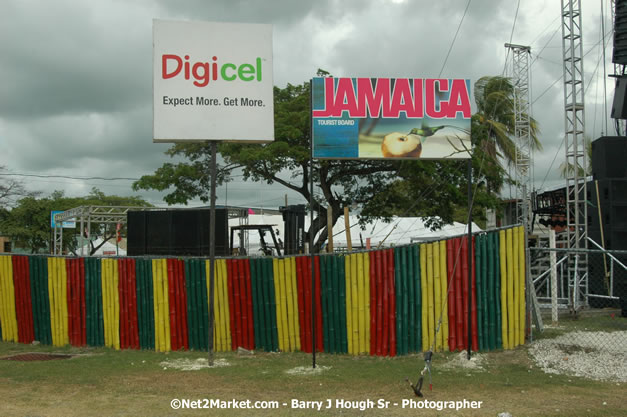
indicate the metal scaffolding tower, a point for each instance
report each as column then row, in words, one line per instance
column 85, row 216
column 522, row 131
column 576, row 210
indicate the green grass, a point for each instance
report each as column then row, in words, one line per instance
column 605, row 322
column 119, row 383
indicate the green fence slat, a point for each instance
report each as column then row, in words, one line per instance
column 190, row 304
column 486, row 304
column 340, row 271
column 34, row 298
column 411, row 299
column 336, row 304
column 326, row 289
column 269, row 281
column 44, row 300
column 143, row 270
column 258, row 316
column 418, row 299
column 407, row 301
column 198, row 304
column 478, row 285
column 491, row 305
column 330, row 296
column 97, row 271
column 399, row 302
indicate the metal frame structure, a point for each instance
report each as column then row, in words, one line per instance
column 522, row 131
column 86, row 215
column 576, row 192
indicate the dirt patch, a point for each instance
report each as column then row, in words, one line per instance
column 594, row 355
column 193, row 364
column 307, row 370
column 461, row 361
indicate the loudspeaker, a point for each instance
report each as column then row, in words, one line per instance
column 176, row 232
column 294, row 230
column 185, row 238
column 136, row 233
column 619, row 54
column 619, row 105
column 609, row 158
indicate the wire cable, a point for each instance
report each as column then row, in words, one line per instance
column 454, row 38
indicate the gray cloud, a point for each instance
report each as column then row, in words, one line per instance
column 77, row 75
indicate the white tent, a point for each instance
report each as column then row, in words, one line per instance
column 399, row 231
column 107, row 249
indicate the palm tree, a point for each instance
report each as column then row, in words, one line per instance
column 494, row 122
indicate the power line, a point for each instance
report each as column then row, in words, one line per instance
column 454, row 38
column 69, row 177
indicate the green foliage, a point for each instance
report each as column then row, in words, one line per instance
column 494, row 123
column 381, row 188
column 28, row 223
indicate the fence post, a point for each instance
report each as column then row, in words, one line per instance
column 552, row 256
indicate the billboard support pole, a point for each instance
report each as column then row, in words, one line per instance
column 212, row 247
column 311, row 235
column 469, row 177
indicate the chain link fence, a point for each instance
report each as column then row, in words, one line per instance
column 582, row 295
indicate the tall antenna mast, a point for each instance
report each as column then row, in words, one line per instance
column 576, row 192
column 522, row 131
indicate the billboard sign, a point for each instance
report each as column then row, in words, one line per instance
column 69, row 224
column 212, row 81
column 379, row 118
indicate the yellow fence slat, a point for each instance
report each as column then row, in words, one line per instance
column 57, row 295
column 225, row 306
column 503, row 272
column 437, row 296
column 111, row 302
column 354, row 303
column 521, row 284
column 430, row 295
column 294, row 281
column 277, row 298
column 289, row 296
column 511, row 311
column 161, row 305
column 515, row 279
column 222, row 324
column 8, row 314
column 361, row 292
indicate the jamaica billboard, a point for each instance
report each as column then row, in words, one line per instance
column 380, row 118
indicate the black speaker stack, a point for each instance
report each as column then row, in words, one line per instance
column 607, row 213
column 619, row 56
column 176, row 232
column 294, row 232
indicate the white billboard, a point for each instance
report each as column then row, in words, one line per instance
column 212, row 81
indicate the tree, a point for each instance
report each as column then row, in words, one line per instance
column 493, row 124
column 28, row 223
column 381, row 188
column 11, row 189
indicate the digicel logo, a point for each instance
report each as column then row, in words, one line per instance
column 204, row 72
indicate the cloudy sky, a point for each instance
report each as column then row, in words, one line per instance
column 76, row 89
